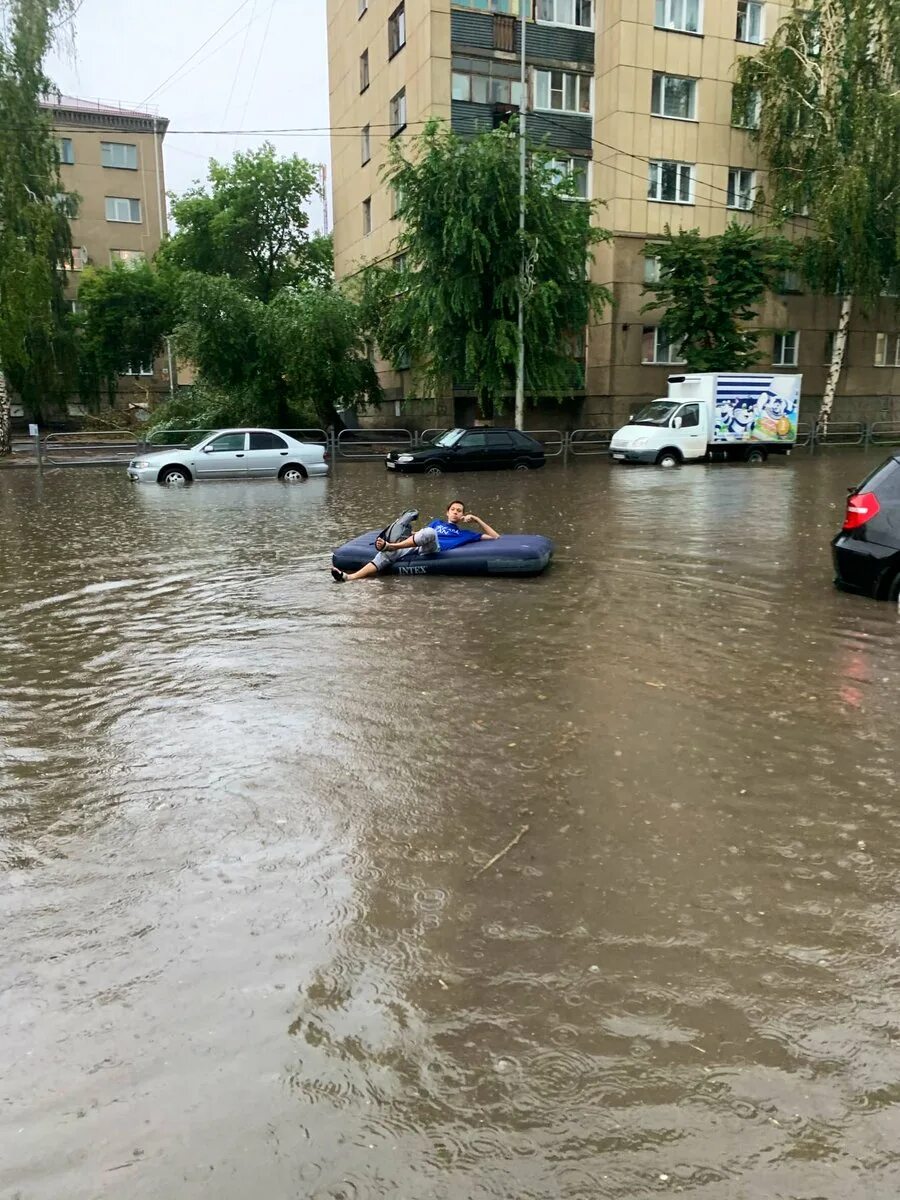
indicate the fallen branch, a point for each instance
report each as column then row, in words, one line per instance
column 506, row 849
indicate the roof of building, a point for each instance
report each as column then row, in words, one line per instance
column 104, row 113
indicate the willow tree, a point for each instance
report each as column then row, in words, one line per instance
column 34, row 228
column 452, row 311
column 828, row 88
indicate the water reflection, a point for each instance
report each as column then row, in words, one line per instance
column 243, row 812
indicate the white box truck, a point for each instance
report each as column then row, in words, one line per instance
column 715, row 414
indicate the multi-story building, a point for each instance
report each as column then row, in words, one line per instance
column 111, row 158
column 635, row 98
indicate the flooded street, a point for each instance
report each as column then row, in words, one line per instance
column 248, row 946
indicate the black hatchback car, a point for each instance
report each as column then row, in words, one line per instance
column 476, row 449
column 867, row 550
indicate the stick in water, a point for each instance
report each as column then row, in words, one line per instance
column 506, row 849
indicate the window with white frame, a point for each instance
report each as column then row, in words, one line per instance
column 652, row 268
column 65, row 150
column 121, row 208
column 784, row 352
column 362, row 8
column 77, row 260
column 682, row 16
column 658, row 347
column 398, row 262
column 121, row 155
column 509, row 8
column 396, row 200
column 673, row 96
column 562, row 91
column 887, row 349
column 396, row 30
column 671, row 182
column 791, row 282
column 741, row 188
column 365, row 144
column 364, row 70
column 140, row 369
column 749, row 21
column 576, row 169
column 578, row 14
column 130, row 258
column 745, row 113
column 398, row 112
column 367, row 216
column 485, row 89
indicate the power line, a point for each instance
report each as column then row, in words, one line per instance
column 203, row 46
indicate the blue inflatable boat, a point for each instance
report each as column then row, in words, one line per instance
column 509, row 554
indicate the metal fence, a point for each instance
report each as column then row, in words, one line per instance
column 584, row 442
column 372, row 443
column 90, row 447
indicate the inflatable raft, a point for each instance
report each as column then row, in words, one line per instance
column 509, row 554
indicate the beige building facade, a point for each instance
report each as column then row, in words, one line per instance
column 112, row 159
column 635, row 97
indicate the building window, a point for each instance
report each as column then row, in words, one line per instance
column 398, row 262
column 364, row 70
column 658, row 347
column 485, row 89
column 577, row 169
column 65, row 150
column 77, row 260
column 398, row 112
column 671, row 182
column 119, row 208
column 749, row 21
column 791, row 283
column 680, row 15
column 651, row 269
column 887, row 350
column 785, row 350
column 365, row 144
column 829, row 348
column 741, row 188
column 119, row 154
column 673, row 96
column 509, row 8
column 362, row 9
column 396, row 30
column 367, row 215
column 396, row 200
column 141, row 369
column 562, row 91
column 130, row 257
column 576, row 13
column 746, row 115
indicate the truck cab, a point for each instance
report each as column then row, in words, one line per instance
column 666, row 432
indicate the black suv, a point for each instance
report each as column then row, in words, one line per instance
column 477, row 449
column 867, row 550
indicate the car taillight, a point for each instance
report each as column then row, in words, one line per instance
column 325, row 454
column 861, row 507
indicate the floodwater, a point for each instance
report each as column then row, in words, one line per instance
column 249, row 944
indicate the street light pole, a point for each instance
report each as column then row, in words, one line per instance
column 523, row 109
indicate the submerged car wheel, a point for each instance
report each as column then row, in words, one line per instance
column 756, row 455
column 292, row 473
column 668, row 458
column 174, row 476
column 522, row 466
column 434, row 469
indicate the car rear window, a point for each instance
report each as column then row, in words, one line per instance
column 884, row 481
column 498, row 439
column 526, row 442
column 263, row 440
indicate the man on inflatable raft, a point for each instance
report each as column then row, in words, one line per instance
column 438, row 536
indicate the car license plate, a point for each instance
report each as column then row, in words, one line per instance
column 391, row 466
column 619, row 456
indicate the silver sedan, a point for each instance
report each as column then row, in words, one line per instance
column 233, row 454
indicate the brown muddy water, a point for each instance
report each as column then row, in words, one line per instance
column 246, row 948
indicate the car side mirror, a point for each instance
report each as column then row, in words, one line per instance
column 676, row 422
column 207, row 450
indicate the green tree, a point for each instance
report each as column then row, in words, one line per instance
column 252, row 225
column 127, row 310
column 828, row 84
column 711, row 287
column 453, row 310
column 34, row 228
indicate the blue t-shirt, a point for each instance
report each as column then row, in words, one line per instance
column 450, row 536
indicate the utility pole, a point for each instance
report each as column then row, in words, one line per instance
column 523, row 109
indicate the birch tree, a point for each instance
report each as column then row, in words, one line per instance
column 828, row 88
column 34, row 229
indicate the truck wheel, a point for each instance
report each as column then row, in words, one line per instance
column 755, row 455
column 668, row 458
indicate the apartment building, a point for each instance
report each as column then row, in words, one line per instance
column 112, row 158
column 634, row 98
